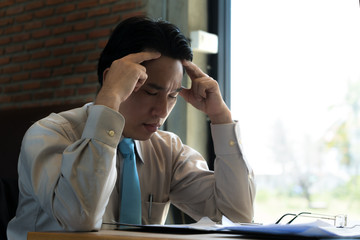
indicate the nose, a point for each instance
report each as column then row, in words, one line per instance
column 161, row 108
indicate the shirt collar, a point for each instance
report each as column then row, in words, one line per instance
column 137, row 148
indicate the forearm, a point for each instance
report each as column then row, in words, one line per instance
column 235, row 187
column 84, row 187
column 108, row 98
column 223, row 117
column 73, row 178
column 235, row 191
column 229, row 191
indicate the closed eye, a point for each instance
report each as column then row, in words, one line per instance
column 151, row 93
column 173, row 96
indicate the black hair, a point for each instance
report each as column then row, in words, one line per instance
column 136, row 34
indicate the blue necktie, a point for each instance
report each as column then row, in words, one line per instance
column 130, row 209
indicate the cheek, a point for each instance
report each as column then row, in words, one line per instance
column 140, row 103
column 137, row 99
column 131, row 106
column 171, row 105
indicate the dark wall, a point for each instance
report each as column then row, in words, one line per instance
column 14, row 124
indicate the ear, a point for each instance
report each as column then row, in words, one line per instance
column 104, row 74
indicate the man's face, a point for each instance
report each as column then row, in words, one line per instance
column 147, row 109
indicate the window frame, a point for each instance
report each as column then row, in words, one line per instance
column 219, row 12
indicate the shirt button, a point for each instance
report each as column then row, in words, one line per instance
column 111, row 133
column 232, row 143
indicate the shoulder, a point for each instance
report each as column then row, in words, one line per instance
column 73, row 116
column 60, row 122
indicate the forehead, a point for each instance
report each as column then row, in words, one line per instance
column 164, row 72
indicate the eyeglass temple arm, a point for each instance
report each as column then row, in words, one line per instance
column 286, row 214
column 291, row 214
column 297, row 215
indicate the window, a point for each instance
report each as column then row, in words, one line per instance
column 295, row 89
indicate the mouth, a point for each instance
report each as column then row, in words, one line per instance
column 152, row 127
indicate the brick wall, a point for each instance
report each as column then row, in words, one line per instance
column 49, row 48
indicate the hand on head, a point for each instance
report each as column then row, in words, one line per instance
column 127, row 75
column 124, row 76
column 205, row 94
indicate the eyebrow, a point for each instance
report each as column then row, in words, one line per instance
column 157, row 87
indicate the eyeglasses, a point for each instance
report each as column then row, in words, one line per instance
column 339, row 221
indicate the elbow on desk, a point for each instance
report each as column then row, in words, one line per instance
column 82, row 223
column 240, row 217
column 238, row 211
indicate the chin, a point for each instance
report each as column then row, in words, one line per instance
column 143, row 137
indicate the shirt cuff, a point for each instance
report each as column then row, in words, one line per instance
column 104, row 124
column 226, row 138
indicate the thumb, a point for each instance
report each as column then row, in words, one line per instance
column 185, row 93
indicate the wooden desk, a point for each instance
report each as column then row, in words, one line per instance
column 129, row 235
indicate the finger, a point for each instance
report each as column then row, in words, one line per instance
column 202, row 90
column 185, row 93
column 189, row 96
column 192, row 70
column 142, row 79
column 142, row 56
column 199, row 86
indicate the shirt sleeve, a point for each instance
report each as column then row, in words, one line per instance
column 229, row 190
column 235, row 186
column 72, row 176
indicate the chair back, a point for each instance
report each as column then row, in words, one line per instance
column 9, row 193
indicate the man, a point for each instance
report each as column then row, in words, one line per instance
column 70, row 166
